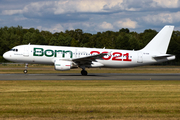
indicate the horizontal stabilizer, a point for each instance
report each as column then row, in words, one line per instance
column 164, row 57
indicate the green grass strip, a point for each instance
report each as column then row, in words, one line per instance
column 90, row 99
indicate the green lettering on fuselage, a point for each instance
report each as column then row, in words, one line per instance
column 57, row 51
column 38, row 52
column 51, row 53
column 64, row 52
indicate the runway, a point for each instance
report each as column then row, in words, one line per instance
column 91, row 76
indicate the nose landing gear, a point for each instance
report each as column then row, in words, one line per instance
column 26, row 66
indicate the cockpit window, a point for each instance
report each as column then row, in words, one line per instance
column 15, row 50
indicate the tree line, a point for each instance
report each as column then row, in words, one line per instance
column 122, row 39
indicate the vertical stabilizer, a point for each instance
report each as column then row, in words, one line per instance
column 160, row 42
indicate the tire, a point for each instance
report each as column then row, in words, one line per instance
column 84, row 72
column 25, row 71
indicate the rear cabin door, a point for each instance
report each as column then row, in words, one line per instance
column 140, row 57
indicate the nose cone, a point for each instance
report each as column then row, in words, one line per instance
column 6, row 55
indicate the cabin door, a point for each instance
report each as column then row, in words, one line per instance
column 140, row 57
column 26, row 51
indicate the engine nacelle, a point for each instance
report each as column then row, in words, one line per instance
column 62, row 65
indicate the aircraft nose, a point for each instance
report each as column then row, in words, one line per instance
column 6, row 55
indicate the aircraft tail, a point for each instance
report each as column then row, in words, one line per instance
column 160, row 42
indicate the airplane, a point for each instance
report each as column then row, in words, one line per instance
column 66, row 58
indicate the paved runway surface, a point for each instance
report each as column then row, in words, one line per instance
column 91, row 76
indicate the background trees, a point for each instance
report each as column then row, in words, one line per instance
column 122, row 39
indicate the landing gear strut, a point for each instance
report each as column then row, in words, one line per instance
column 26, row 66
column 84, row 72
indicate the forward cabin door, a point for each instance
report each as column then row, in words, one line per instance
column 26, row 51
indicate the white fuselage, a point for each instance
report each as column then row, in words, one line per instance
column 41, row 54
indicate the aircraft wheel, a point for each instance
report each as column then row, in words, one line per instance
column 25, row 71
column 84, row 72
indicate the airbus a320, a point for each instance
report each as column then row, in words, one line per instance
column 66, row 58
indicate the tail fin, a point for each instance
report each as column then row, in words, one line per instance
column 160, row 42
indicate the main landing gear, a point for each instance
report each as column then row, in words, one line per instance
column 26, row 66
column 84, row 72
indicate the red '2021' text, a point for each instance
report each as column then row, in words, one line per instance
column 117, row 56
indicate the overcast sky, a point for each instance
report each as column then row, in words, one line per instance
column 91, row 16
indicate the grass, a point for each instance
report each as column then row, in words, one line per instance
column 33, row 69
column 89, row 99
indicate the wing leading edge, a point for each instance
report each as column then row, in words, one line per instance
column 89, row 60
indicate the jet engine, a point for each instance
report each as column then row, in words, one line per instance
column 62, row 65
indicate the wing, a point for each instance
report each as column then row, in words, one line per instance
column 88, row 61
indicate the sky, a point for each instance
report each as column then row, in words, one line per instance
column 91, row 16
